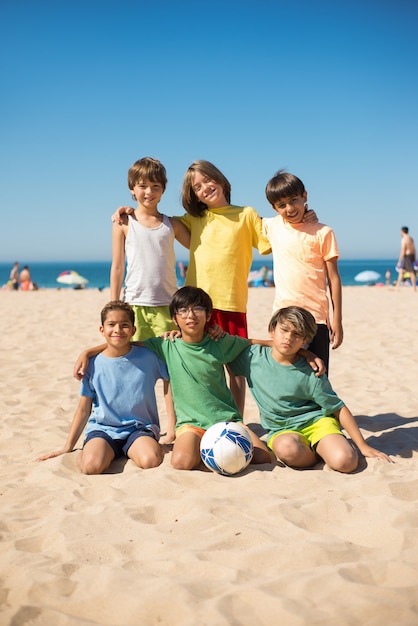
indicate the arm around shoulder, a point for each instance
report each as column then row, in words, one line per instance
column 181, row 232
column 82, row 361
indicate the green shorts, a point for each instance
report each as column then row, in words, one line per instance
column 151, row 321
column 313, row 433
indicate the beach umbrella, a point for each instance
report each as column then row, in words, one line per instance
column 368, row 276
column 70, row 277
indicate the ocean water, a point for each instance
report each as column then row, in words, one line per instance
column 97, row 272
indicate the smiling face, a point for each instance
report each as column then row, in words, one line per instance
column 208, row 191
column 148, row 193
column 117, row 330
column 292, row 209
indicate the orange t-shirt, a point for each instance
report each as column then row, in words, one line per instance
column 299, row 255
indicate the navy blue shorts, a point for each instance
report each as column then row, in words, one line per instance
column 119, row 446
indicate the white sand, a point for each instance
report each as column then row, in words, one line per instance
column 160, row 546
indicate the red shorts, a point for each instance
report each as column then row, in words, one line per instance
column 231, row 322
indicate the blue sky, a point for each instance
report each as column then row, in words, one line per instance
column 327, row 90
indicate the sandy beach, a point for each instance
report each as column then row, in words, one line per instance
column 271, row 545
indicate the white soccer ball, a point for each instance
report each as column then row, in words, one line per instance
column 226, row 448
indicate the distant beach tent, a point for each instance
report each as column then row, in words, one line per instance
column 70, row 277
column 368, row 276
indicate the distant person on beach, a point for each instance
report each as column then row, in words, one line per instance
column 222, row 238
column 407, row 258
column 14, row 276
column 195, row 364
column 305, row 261
column 25, row 279
column 118, row 401
column 300, row 411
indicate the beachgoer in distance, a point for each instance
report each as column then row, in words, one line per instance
column 407, row 258
column 300, row 411
column 119, row 386
column 222, row 238
column 195, row 364
column 25, row 279
column 305, row 261
column 14, row 276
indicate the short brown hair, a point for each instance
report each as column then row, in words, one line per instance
column 283, row 185
column 117, row 305
column 152, row 169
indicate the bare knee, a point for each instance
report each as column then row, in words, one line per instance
column 293, row 452
column 90, row 466
column 344, row 461
column 150, row 460
column 184, row 461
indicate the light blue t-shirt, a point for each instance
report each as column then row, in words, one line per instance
column 288, row 396
column 123, row 392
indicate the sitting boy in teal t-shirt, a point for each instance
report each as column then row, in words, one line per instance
column 301, row 412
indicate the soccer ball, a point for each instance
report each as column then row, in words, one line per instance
column 226, row 448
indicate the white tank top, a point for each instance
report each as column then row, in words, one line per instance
column 150, row 264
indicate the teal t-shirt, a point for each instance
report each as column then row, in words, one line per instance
column 201, row 395
column 288, row 396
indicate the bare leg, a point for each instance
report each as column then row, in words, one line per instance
column 261, row 453
column 145, row 452
column 96, row 456
column 338, row 453
column 186, row 452
column 294, row 450
column 400, row 278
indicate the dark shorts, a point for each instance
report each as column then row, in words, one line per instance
column 320, row 344
column 408, row 263
column 119, row 446
column 231, row 322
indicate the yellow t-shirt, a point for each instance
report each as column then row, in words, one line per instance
column 221, row 253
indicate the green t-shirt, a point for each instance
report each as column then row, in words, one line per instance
column 201, row 396
column 289, row 397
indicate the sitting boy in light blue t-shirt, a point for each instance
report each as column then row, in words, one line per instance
column 117, row 401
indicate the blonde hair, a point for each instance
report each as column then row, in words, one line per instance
column 302, row 321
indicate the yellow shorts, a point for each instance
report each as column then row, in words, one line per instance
column 313, row 433
column 188, row 428
column 151, row 321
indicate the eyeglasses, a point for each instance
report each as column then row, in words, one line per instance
column 196, row 310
